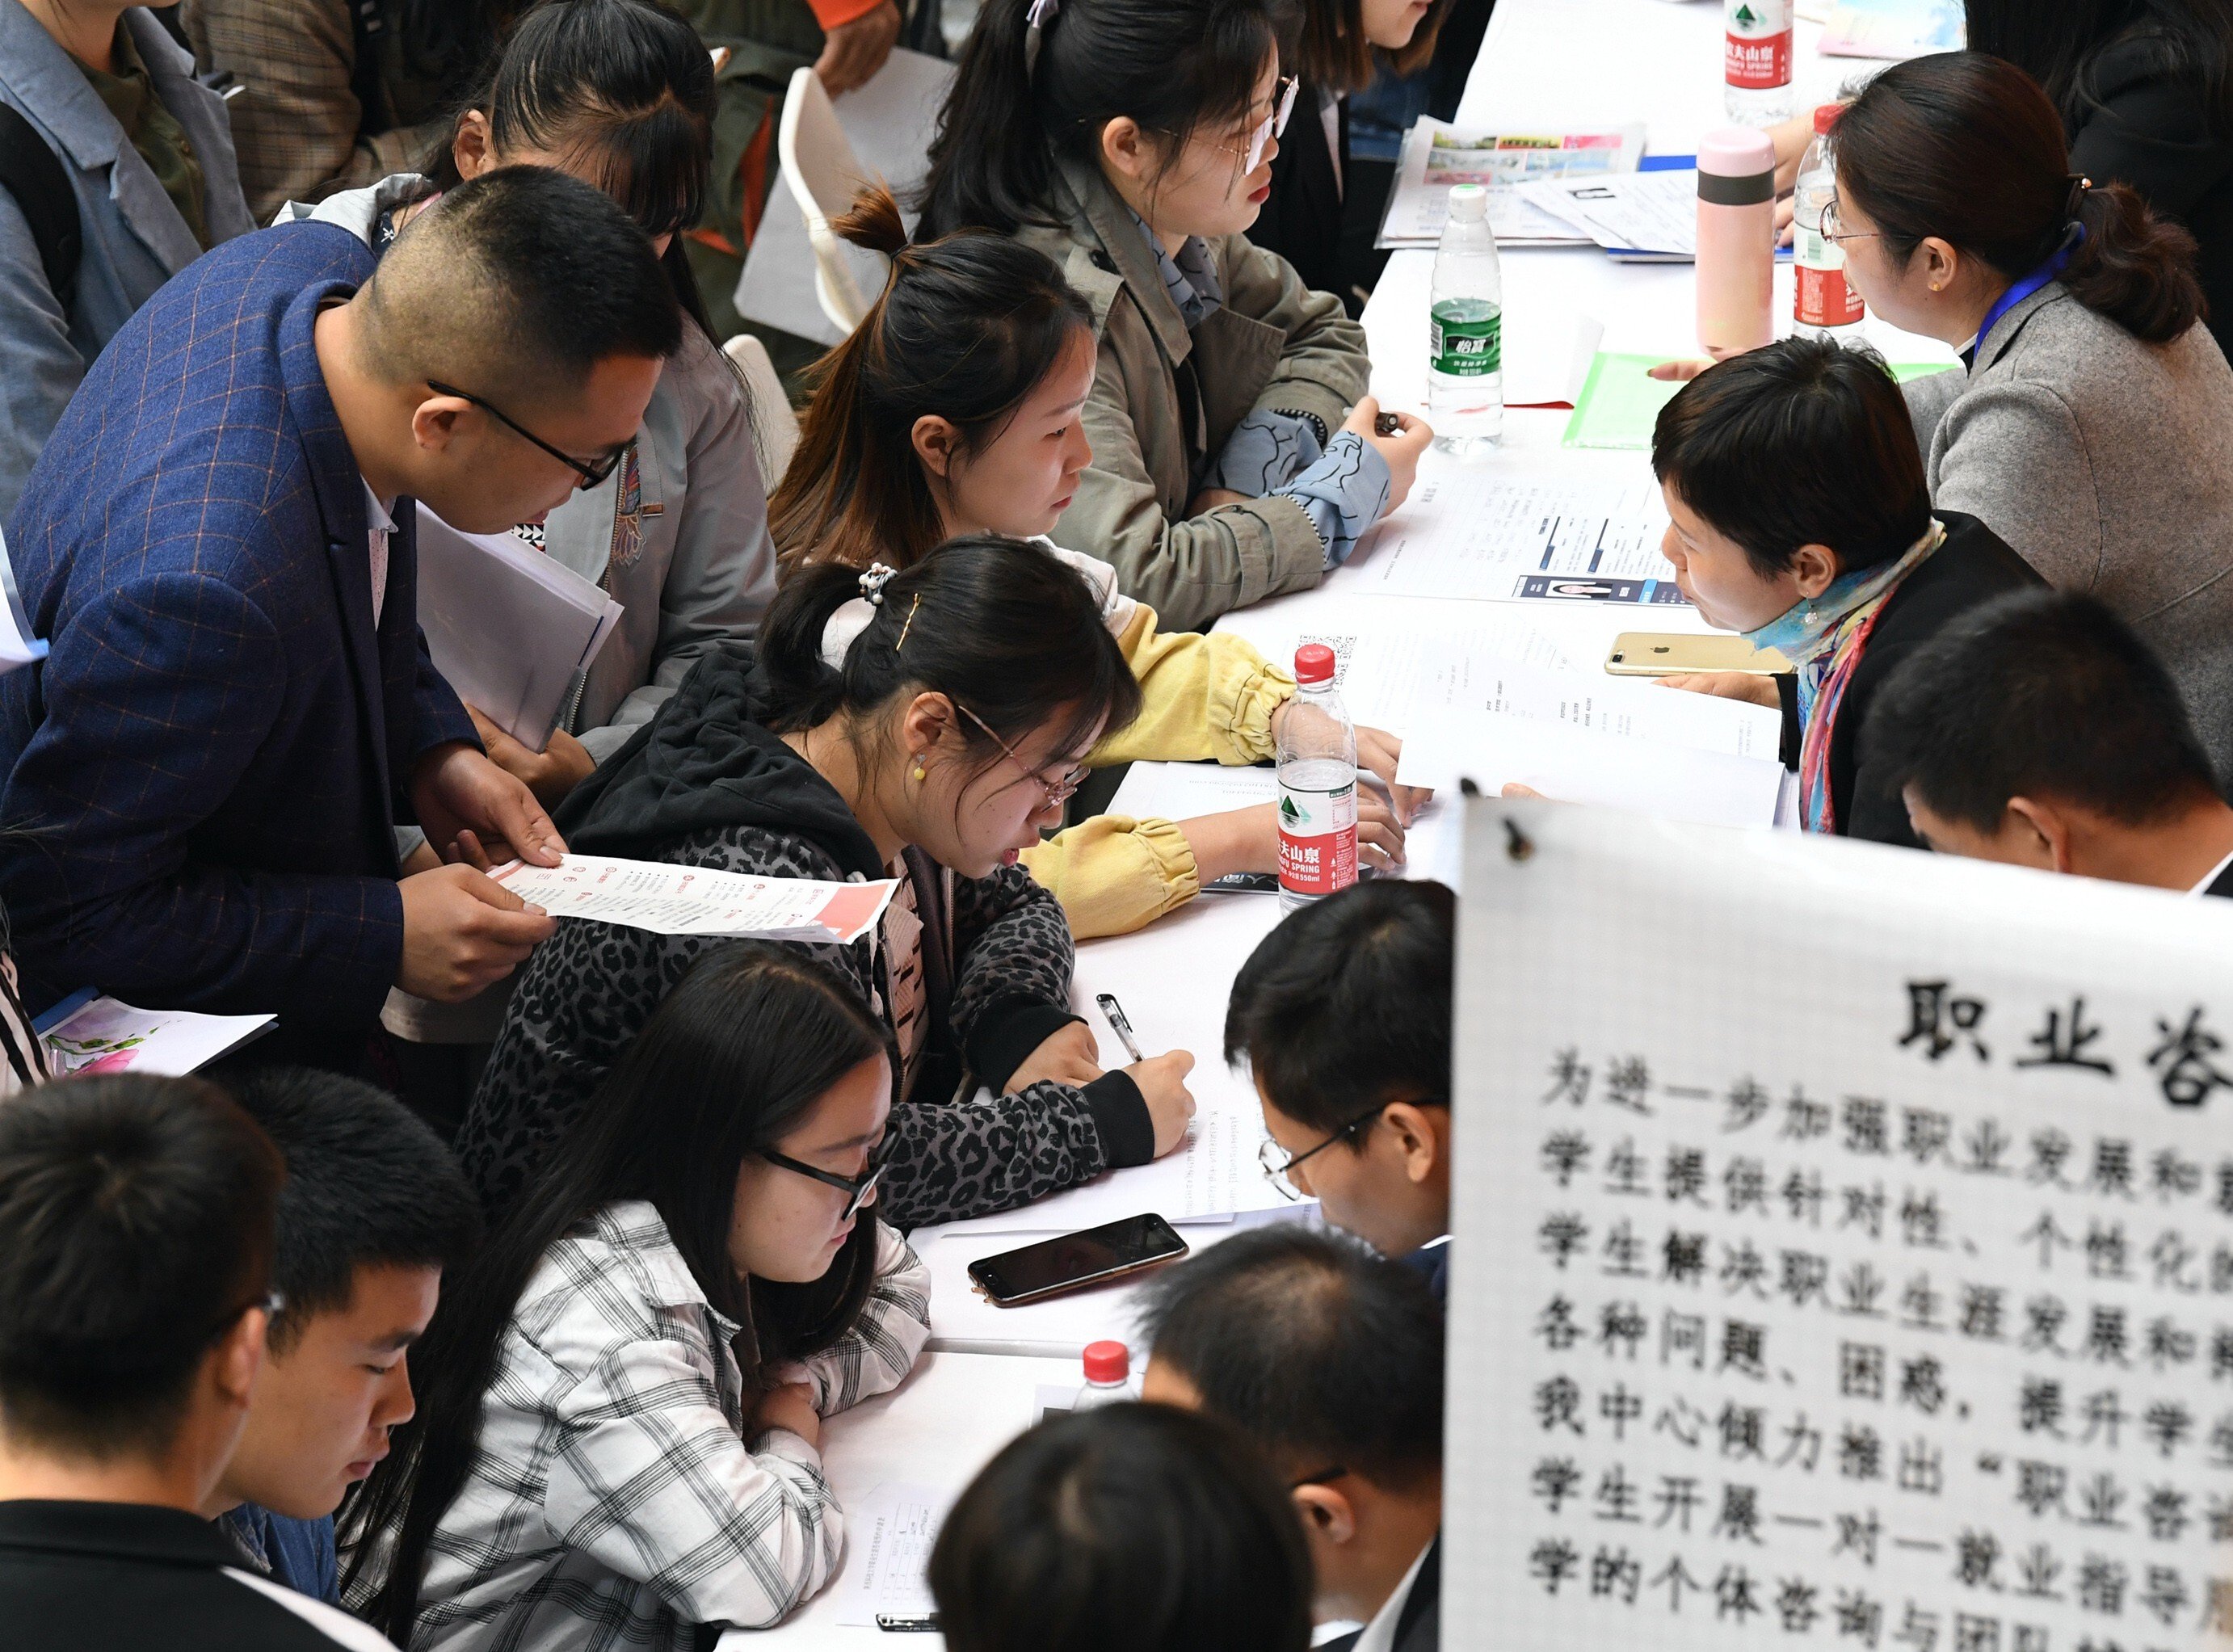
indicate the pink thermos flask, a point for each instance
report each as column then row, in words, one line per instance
column 1736, row 241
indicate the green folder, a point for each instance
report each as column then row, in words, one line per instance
column 1620, row 401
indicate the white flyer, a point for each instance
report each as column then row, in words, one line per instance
column 1437, row 156
column 887, row 1542
column 1211, row 1179
column 1843, row 1248
column 104, row 1034
column 670, row 900
column 1654, row 212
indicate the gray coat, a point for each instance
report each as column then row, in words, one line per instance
column 2108, row 463
column 135, row 239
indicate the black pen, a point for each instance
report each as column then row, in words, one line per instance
column 1115, row 1012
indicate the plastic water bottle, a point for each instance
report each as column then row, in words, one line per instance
column 1756, row 61
column 1465, row 361
column 1825, row 306
column 1107, row 1376
column 1318, row 785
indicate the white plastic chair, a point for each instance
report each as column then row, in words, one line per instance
column 775, row 427
column 823, row 175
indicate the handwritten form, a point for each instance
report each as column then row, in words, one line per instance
column 887, row 1540
column 1845, row 1249
column 698, row 900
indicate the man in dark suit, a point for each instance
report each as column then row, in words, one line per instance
column 2044, row 733
column 1329, row 1358
column 204, row 776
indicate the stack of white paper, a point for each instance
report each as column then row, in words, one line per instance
column 888, row 1540
column 1436, row 157
column 700, row 900
column 85, row 1034
column 1638, row 217
column 511, row 630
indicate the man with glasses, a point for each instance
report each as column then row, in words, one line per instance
column 136, row 1249
column 1330, row 1359
column 1343, row 1014
column 239, row 708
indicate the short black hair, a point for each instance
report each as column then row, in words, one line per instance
column 1348, row 1002
column 1323, row 1352
column 1127, row 1528
column 1801, row 442
column 2040, row 694
column 514, row 285
column 368, row 1185
column 135, row 1228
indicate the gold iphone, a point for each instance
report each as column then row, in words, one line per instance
column 1662, row 654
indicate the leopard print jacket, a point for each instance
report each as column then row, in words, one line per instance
column 588, row 990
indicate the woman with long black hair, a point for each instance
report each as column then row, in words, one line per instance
column 2144, row 88
column 620, row 1398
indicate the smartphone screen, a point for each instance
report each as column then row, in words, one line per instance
column 1078, row 1259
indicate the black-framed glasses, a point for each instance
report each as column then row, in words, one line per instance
column 1280, row 1166
column 1058, row 792
column 858, row 1190
column 590, row 474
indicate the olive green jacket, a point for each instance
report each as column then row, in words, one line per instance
column 1164, row 402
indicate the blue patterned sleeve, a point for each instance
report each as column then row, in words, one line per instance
column 1343, row 493
column 1267, row 450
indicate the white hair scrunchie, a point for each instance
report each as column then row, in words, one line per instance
column 854, row 615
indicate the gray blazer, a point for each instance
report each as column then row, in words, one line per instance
column 2108, row 463
column 135, row 239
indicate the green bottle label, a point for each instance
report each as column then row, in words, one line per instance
column 1467, row 343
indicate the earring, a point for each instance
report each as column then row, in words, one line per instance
column 919, row 772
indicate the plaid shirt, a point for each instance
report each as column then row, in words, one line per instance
column 614, row 1501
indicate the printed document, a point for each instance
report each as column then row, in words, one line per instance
column 699, row 900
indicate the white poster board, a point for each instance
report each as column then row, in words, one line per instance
column 1843, row 1253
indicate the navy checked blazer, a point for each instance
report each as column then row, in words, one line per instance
column 202, row 778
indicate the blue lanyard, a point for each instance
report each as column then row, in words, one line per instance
column 2030, row 285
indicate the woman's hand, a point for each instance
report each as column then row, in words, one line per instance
column 1727, row 684
column 551, row 773
column 789, row 1407
column 1067, row 1056
column 1162, row 1080
column 1401, row 450
column 1678, row 372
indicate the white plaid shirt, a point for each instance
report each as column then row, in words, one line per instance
column 614, row 1501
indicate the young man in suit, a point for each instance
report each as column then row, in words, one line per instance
column 135, row 1247
column 1343, row 1014
column 2045, row 733
column 1799, row 517
column 373, row 1211
column 218, row 541
column 1330, row 1359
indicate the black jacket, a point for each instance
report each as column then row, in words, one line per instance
column 1419, row 1623
column 707, row 784
column 1301, row 218
column 1972, row 568
column 74, row 1575
column 2144, row 128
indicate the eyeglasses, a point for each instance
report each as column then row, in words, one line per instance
column 859, row 1190
column 590, row 474
column 1272, row 125
column 1058, row 792
column 1280, row 1167
column 1833, row 225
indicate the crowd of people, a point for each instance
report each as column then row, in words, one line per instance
column 500, row 1295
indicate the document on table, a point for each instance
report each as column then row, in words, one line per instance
column 1212, row 1177
column 87, row 1034
column 1582, row 765
column 1437, row 156
column 1593, row 703
column 1620, row 400
column 889, row 1536
column 1491, row 534
column 1892, row 29
column 17, row 645
column 1182, row 791
column 511, row 630
column 1652, row 213
column 700, row 900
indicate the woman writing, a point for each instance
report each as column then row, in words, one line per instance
column 955, row 408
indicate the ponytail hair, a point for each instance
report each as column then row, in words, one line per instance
column 1000, row 626
column 1027, row 93
column 965, row 329
column 625, row 84
column 1968, row 149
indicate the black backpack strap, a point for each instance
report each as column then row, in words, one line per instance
column 33, row 174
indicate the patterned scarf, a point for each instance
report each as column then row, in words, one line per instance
column 1825, row 639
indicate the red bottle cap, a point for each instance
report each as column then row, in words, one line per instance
column 1826, row 116
column 1314, row 663
column 1107, row 1363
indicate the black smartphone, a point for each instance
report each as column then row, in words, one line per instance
column 1054, row 1266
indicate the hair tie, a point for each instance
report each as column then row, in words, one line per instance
column 855, row 614
column 1042, row 13
column 2078, row 187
